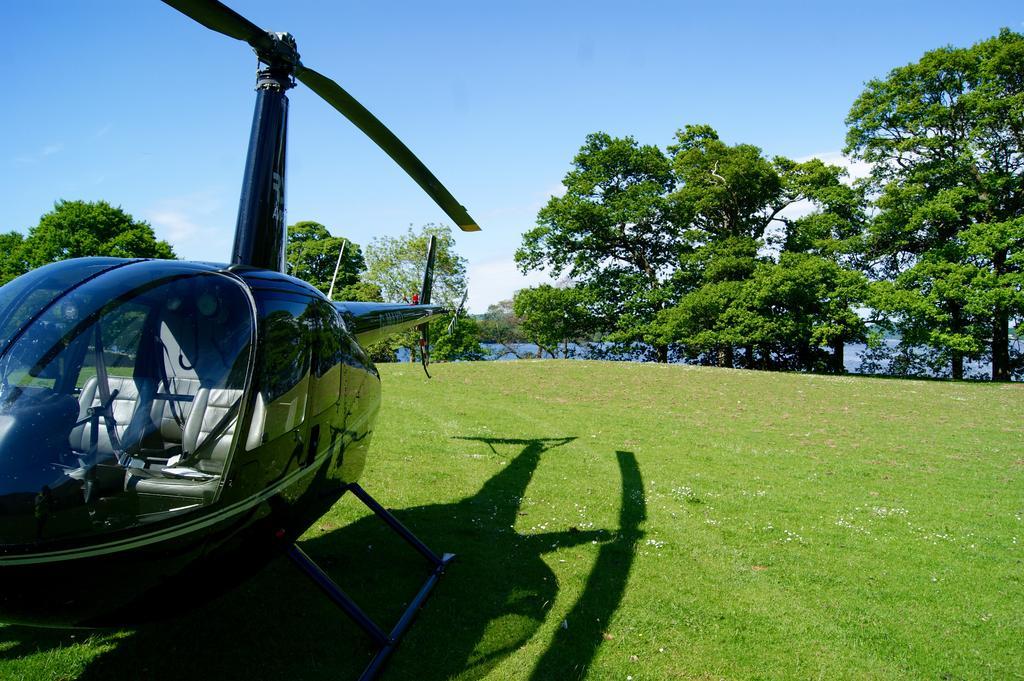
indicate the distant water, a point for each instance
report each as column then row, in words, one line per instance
column 853, row 355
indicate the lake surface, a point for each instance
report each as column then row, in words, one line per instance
column 853, row 356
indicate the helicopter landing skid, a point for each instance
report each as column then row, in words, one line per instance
column 386, row 642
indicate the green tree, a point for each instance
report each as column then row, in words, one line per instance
column 500, row 325
column 736, row 200
column 12, row 259
column 715, row 274
column 613, row 231
column 732, row 195
column 727, row 191
column 830, row 241
column 783, row 314
column 313, row 253
column 946, row 144
column 395, row 266
column 75, row 229
column 836, row 226
column 361, row 291
column 553, row 317
column 462, row 343
column 797, row 307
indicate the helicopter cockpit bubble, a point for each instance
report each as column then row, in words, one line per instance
column 117, row 395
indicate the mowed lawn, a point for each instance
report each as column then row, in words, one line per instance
column 617, row 521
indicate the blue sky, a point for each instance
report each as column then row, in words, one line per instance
column 133, row 103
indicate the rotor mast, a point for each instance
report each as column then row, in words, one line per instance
column 261, row 231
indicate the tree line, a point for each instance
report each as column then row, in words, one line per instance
column 713, row 252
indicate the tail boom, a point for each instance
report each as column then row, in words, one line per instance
column 371, row 322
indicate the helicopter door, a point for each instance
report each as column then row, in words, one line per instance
column 326, row 406
column 278, row 435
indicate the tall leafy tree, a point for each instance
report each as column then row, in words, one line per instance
column 613, row 231
column 500, row 325
column 12, row 258
column 458, row 341
column 313, row 253
column 732, row 195
column 946, row 140
column 361, row 291
column 75, row 229
column 830, row 244
column 736, row 199
column 798, row 307
column 835, row 227
column 395, row 266
column 553, row 316
column 713, row 276
column 783, row 315
column 727, row 191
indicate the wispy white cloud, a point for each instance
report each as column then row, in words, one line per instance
column 526, row 209
column 797, row 209
column 496, row 280
column 193, row 224
column 39, row 155
column 856, row 170
column 102, row 131
column 174, row 226
column 556, row 190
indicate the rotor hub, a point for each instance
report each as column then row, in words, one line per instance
column 281, row 59
column 281, row 50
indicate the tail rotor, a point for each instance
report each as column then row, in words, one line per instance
column 428, row 285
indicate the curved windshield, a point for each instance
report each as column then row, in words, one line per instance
column 24, row 297
column 118, row 400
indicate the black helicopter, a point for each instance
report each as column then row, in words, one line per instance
column 168, row 427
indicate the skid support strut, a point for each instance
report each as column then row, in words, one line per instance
column 385, row 642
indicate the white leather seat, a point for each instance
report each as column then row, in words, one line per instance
column 208, row 408
column 169, row 415
column 129, row 393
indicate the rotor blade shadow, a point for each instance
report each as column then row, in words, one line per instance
column 573, row 648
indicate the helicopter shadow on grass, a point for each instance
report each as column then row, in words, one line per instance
column 490, row 603
column 500, row 590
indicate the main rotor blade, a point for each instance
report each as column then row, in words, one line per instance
column 223, row 19
column 346, row 104
column 218, row 17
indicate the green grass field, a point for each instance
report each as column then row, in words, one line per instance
column 618, row 521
